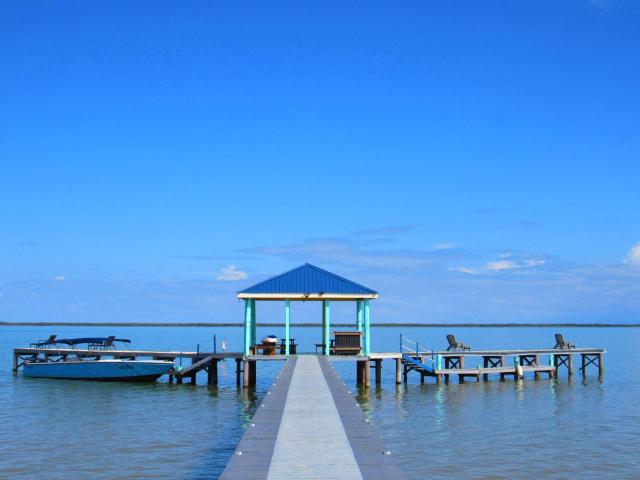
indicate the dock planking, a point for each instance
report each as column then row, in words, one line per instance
column 308, row 426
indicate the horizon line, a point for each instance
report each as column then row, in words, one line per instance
column 313, row 324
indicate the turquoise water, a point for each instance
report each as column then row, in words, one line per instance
column 528, row 429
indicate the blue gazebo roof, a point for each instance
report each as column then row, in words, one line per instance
column 308, row 282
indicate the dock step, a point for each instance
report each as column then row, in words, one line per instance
column 196, row 367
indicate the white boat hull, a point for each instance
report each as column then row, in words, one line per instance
column 113, row 370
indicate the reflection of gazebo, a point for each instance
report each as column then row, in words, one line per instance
column 308, row 283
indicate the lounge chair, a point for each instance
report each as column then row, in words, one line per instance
column 455, row 345
column 561, row 343
column 44, row 343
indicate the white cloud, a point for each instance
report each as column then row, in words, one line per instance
column 444, row 246
column 500, row 265
column 634, row 255
column 59, row 278
column 231, row 274
column 510, row 264
column 468, row 271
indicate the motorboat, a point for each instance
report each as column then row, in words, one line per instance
column 60, row 362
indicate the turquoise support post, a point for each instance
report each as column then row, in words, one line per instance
column 254, row 323
column 287, row 321
column 247, row 326
column 359, row 315
column 359, row 321
column 327, row 327
column 367, row 329
column 551, row 360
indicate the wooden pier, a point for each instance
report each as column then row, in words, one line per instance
column 439, row 364
column 513, row 363
column 309, row 426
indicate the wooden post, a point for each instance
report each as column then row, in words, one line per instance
column 367, row 374
column 378, row 364
column 359, row 377
column 15, row 362
column 570, row 364
column 584, row 365
column 252, row 373
column 212, row 373
column 600, row 365
column 485, row 364
column 245, row 373
column 238, row 370
column 536, row 374
column 405, row 373
column 398, row 370
column 193, row 375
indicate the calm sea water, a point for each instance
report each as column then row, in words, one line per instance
column 530, row 429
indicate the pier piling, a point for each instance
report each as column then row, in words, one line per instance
column 378, row 366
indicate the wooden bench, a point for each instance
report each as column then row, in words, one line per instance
column 346, row 343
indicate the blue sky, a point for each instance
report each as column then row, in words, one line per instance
column 471, row 161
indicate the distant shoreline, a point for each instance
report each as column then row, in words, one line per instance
column 267, row 324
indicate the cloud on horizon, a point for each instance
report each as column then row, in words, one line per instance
column 448, row 285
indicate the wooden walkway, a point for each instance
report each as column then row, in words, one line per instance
column 308, row 426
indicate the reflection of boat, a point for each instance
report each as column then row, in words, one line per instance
column 80, row 368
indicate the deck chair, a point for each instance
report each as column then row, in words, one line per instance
column 561, row 343
column 455, row 345
column 44, row 343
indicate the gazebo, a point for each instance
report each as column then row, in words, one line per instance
column 308, row 283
